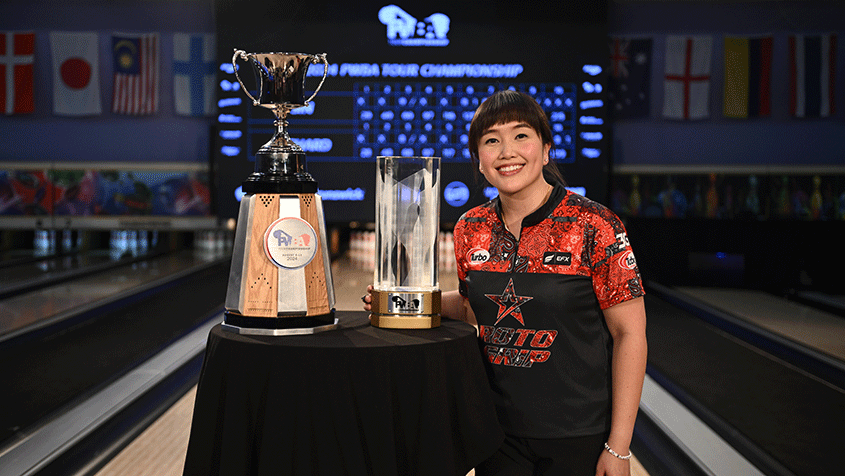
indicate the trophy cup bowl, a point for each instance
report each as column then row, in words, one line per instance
column 406, row 291
column 281, row 87
column 280, row 279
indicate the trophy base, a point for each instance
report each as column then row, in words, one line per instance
column 404, row 322
column 405, row 309
column 280, row 276
column 280, row 326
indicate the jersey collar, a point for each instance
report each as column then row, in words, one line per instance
column 540, row 214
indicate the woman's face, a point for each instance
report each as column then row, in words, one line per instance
column 511, row 157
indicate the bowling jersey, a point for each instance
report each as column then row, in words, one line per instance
column 538, row 302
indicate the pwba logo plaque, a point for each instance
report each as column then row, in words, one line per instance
column 405, row 303
column 405, row 30
column 290, row 243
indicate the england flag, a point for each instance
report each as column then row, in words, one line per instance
column 687, row 79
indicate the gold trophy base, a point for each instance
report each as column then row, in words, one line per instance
column 405, row 309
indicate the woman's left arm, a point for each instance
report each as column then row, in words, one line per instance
column 627, row 323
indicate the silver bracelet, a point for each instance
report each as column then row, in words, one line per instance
column 617, row 454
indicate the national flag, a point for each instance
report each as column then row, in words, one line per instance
column 630, row 77
column 748, row 76
column 136, row 73
column 194, row 57
column 687, row 80
column 76, row 73
column 812, row 64
column 17, row 53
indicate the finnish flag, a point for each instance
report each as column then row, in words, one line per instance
column 194, row 73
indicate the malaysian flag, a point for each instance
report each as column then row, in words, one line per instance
column 812, row 62
column 687, row 80
column 748, row 76
column 136, row 72
column 17, row 52
column 630, row 77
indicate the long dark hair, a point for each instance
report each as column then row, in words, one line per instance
column 511, row 106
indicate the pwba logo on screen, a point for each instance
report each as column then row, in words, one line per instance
column 405, row 30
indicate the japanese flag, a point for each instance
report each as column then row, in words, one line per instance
column 76, row 73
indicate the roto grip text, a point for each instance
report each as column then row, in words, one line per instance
column 527, row 346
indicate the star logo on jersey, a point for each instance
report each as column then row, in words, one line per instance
column 509, row 303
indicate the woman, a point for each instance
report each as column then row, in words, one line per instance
column 549, row 278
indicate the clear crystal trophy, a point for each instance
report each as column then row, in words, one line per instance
column 406, row 291
column 280, row 281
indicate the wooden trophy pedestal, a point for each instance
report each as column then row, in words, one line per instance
column 280, row 279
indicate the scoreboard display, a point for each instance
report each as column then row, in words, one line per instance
column 405, row 79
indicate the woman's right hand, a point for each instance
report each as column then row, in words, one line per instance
column 368, row 299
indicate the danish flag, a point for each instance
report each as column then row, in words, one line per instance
column 17, row 51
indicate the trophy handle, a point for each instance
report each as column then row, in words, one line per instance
column 321, row 58
column 244, row 56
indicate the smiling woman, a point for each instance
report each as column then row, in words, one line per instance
column 510, row 139
column 538, row 264
column 511, row 157
column 512, row 106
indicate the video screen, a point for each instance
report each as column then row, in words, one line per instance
column 405, row 79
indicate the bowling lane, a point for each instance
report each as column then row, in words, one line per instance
column 49, row 305
column 805, row 325
column 119, row 318
column 781, row 417
column 32, row 274
column 831, row 303
column 51, row 260
column 15, row 257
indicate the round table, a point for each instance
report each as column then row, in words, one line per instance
column 355, row 400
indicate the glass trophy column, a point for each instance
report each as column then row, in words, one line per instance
column 406, row 289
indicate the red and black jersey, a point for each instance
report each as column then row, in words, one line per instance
column 538, row 302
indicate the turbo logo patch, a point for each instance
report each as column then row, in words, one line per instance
column 627, row 260
column 477, row 256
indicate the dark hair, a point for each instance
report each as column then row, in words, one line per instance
column 511, row 106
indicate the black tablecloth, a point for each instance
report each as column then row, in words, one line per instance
column 356, row 400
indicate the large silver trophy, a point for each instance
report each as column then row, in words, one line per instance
column 406, row 289
column 280, row 280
